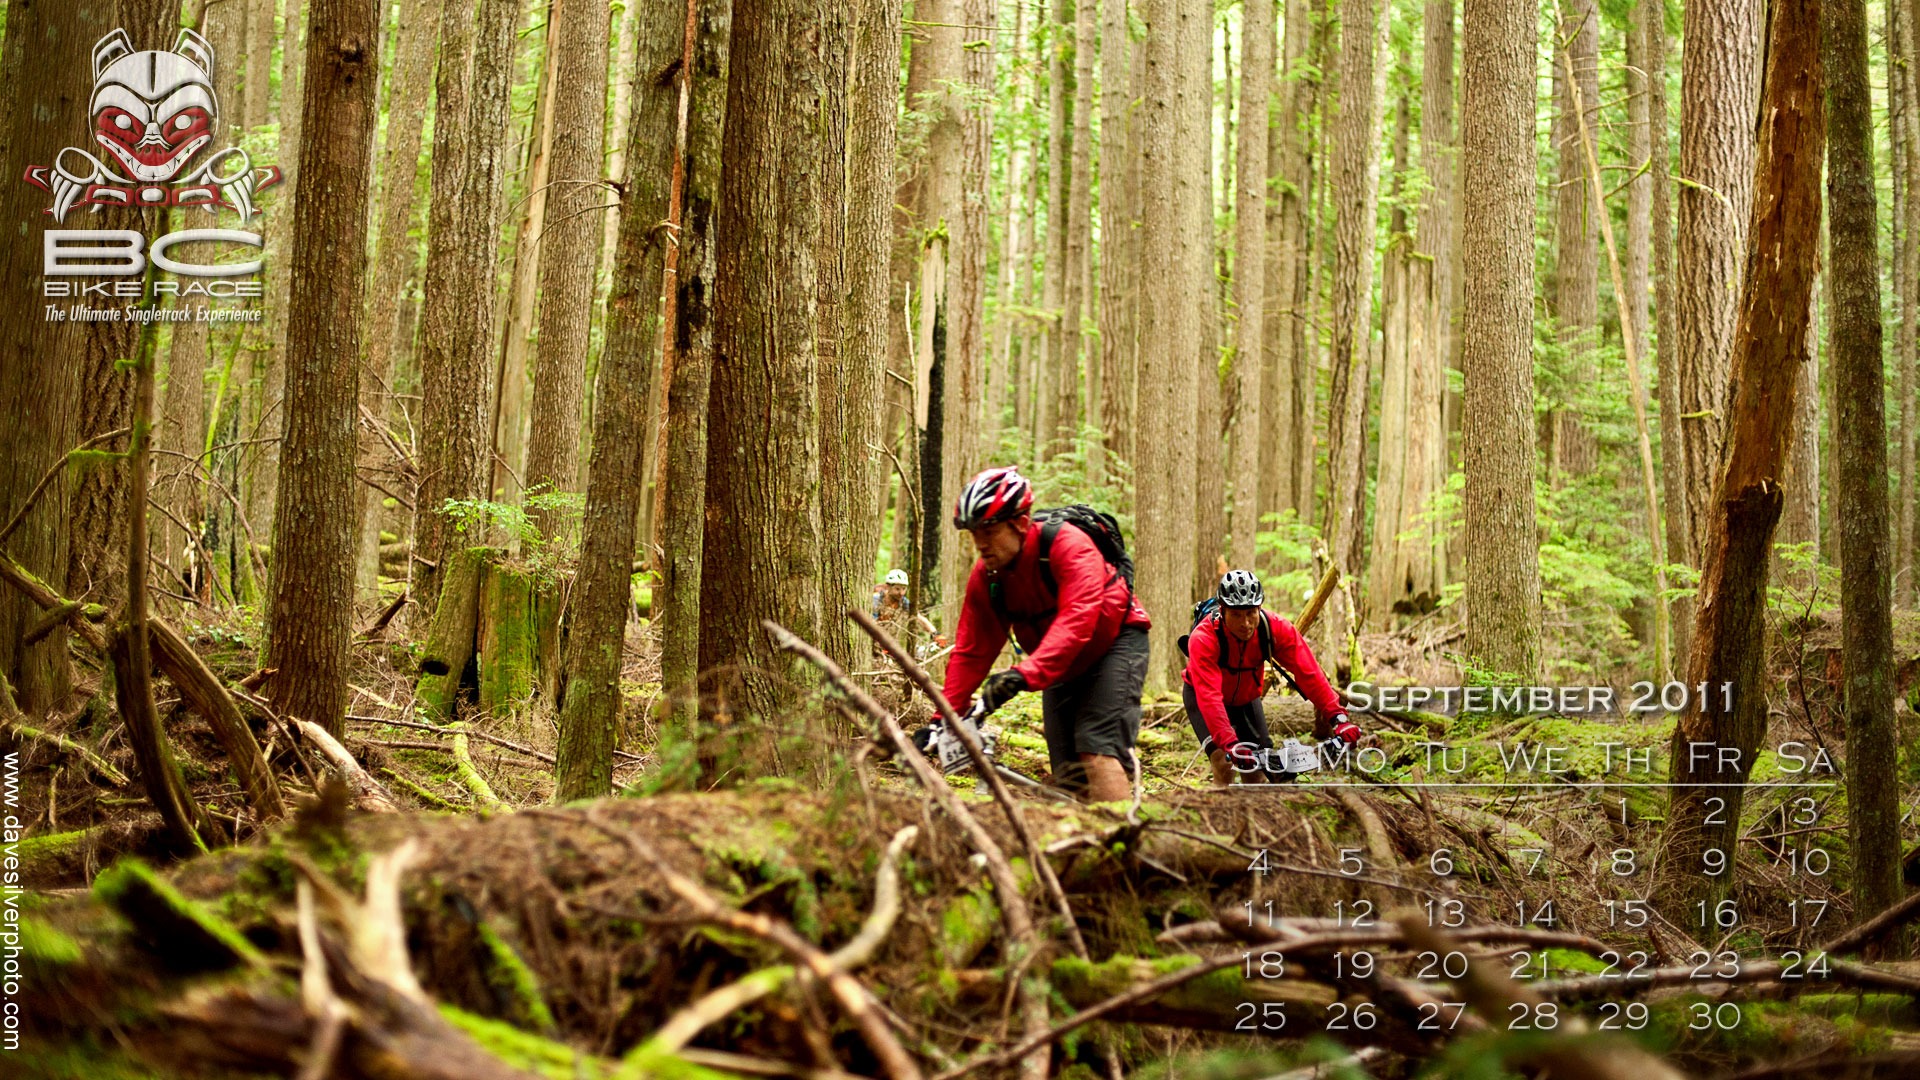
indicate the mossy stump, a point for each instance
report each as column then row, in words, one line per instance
column 450, row 638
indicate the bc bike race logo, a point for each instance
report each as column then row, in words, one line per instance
column 154, row 113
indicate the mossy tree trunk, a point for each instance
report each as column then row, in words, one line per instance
column 450, row 638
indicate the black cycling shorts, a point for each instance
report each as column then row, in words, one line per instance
column 1097, row 711
column 1249, row 721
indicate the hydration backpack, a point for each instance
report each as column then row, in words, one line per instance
column 1101, row 527
column 1207, row 609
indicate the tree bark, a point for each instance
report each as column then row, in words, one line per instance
column 603, row 591
column 260, row 38
column 1866, row 622
column 471, row 94
column 1719, row 57
column 1496, row 330
column 396, row 254
column 1355, row 181
column 1119, row 285
column 1673, row 469
column 311, row 620
column 1202, row 346
column 1905, row 588
column 1418, row 573
column 1769, row 347
column 508, row 435
column 1060, row 379
column 684, row 517
column 1164, row 475
column 1284, row 331
column 1250, row 421
column 962, row 453
column 1078, row 299
column 568, row 242
column 1576, row 294
column 763, row 522
column 1395, row 402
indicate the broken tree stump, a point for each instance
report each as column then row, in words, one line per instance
column 450, row 639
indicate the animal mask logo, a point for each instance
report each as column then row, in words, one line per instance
column 153, row 113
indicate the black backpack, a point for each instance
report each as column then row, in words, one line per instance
column 1210, row 607
column 1101, row 527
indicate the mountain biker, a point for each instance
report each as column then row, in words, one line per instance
column 1226, row 678
column 890, row 600
column 1086, row 643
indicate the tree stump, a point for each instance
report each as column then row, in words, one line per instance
column 508, row 638
column 450, row 639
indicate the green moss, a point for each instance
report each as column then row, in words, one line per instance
column 182, row 931
column 41, row 847
column 966, row 926
column 511, row 976
column 524, row 1050
column 45, row 947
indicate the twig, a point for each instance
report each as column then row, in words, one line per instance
column 419, row 791
column 1894, row 916
column 98, row 764
column 689, row 1021
column 853, row 997
column 983, row 766
column 47, row 479
column 1022, row 944
column 1493, row 995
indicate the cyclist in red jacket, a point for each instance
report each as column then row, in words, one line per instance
column 1085, row 638
column 1226, row 678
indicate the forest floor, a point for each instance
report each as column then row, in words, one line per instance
column 541, row 937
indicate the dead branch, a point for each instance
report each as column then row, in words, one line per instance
column 1023, row 945
column 47, row 478
column 470, row 776
column 1895, row 916
column 14, row 721
column 853, row 997
column 386, row 616
column 983, row 767
column 197, row 683
column 688, row 1022
column 367, row 792
column 1488, row 990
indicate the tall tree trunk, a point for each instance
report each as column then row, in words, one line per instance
column 1079, row 237
column 619, row 119
column 603, row 588
column 1418, row 572
column 97, row 497
column 1118, row 281
column 966, row 341
column 1673, row 459
column 1309, row 357
column 1905, row 588
column 1355, row 181
column 762, row 540
column 312, row 615
column 1866, row 621
column 683, row 518
column 1496, row 332
column 578, row 30
column 1164, row 473
column 508, row 433
column 1640, row 184
column 1284, row 330
column 1203, row 347
column 1576, row 293
column 396, row 254
column 1395, row 404
column 260, row 37
column 1718, row 63
column 934, row 223
column 1012, row 253
column 843, row 491
column 872, row 119
column 1250, row 421
column 39, row 387
column 1769, row 347
column 471, row 94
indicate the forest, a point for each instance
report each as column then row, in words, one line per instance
column 709, row 539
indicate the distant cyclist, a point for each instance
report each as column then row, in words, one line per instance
column 1055, row 589
column 890, row 599
column 1227, row 655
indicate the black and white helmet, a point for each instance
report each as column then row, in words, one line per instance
column 1000, row 494
column 1239, row 588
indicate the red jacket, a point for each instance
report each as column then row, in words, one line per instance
column 1063, row 635
column 1216, row 688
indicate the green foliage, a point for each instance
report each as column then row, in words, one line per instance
column 1065, row 478
column 1287, row 541
column 546, row 557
